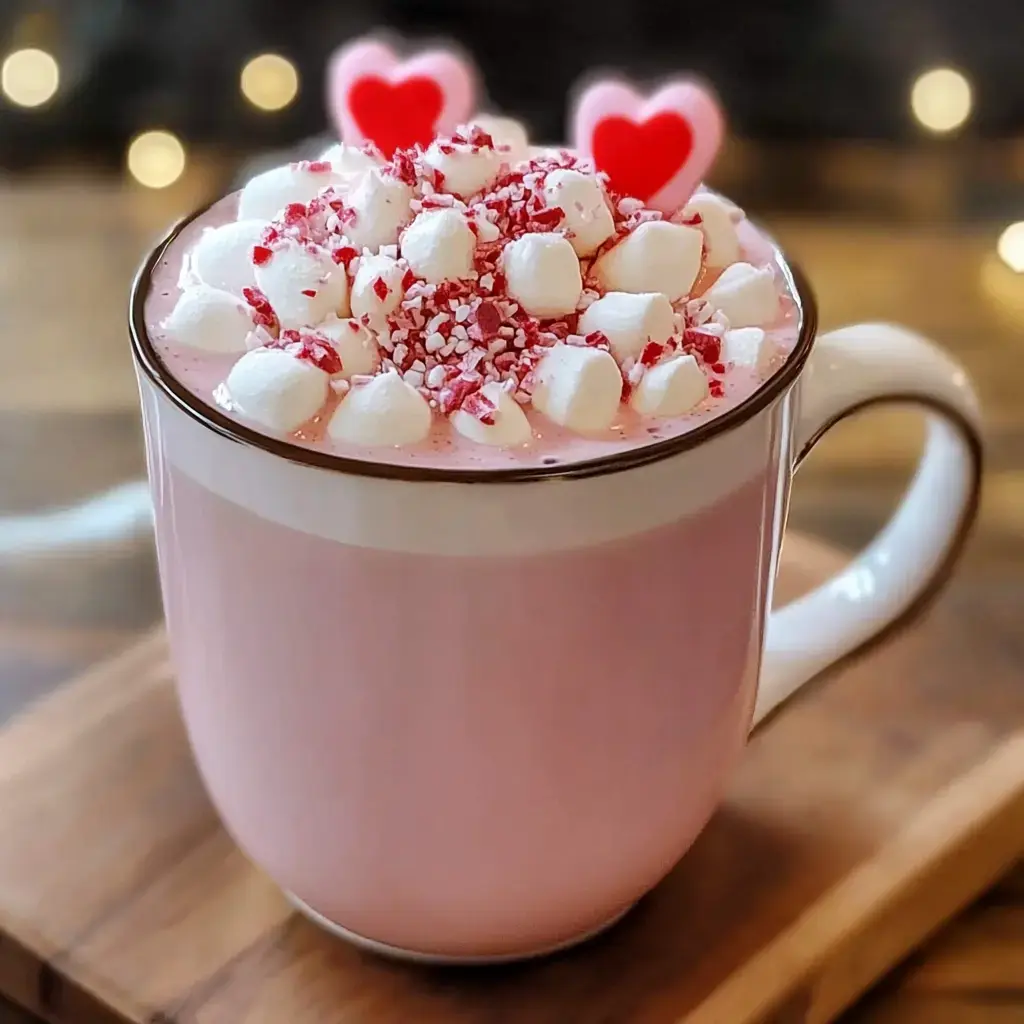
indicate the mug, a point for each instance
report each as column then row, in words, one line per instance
column 475, row 715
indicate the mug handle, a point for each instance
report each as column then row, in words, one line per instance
column 909, row 560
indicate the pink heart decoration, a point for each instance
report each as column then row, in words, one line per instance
column 374, row 96
column 656, row 148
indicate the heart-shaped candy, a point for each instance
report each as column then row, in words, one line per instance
column 655, row 148
column 376, row 97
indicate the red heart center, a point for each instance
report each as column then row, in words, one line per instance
column 641, row 159
column 396, row 115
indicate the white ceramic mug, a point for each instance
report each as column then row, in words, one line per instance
column 466, row 715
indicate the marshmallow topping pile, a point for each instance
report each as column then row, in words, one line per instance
column 468, row 280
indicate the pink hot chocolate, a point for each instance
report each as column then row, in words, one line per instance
column 449, row 339
column 467, row 719
column 463, row 755
column 476, row 715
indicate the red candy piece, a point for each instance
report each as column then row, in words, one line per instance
column 396, row 115
column 489, row 318
column 344, row 255
column 642, row 158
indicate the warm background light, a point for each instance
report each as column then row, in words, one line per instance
column 30, row 78
column 941, row 100
column 270, row 82
column 156, row 159
column 1011, row 247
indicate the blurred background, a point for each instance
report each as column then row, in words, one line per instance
column 882, row 143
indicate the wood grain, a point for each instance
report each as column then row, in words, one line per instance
column 863, row 816
column 972, row 971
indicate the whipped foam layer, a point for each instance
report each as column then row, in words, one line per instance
column 448, row 306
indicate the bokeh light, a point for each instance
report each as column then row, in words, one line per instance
column 270, row 82
column 156, row 159
column 941, row 100
column 1011, row 247
column 30, row 78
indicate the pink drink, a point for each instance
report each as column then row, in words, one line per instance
column 464, row 754
column 474, row 713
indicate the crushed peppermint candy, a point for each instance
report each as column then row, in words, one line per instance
column 313, row 166
column 452, row 338
column 263, row 314
column 312, row 348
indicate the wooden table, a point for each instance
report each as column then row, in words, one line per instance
column 69, row 424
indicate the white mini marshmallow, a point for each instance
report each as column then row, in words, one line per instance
column 222, row 257
column 670, row 388
column 656, row 257
column 269, row 193
column 543, row 274
column 581, row 198
column 630, row 321
column 578, row 387
column 749, row 347
column 439, row 245
column 349, row 160
column 291, row 273
column 509, row 137
column 718, row 225
column 510, row 424
column 277, row 390
column 746, row 295
column 354, row 343
column 365, row 300
column 486, row 231
column 381, row 203
column 467, row 170
column 209, row 319
column 383, row 411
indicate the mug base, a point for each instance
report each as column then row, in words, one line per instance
column 442, row 959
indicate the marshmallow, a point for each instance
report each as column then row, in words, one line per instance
column 222, row 257
column 581, row 198
column 439, row 245
column 276, row 390
column 486, row 230
column 509, row 137
column 718, row 226
column 209, row 319
column 543, row 274
column 349, row 160
column 748, row 346
column 365, row 298
column 746, row 295
column 670, row 388
column 383, row 411
column 578, row 387
column 354, row 343
column 269, row 193
column 467, row 169
column 656, row 257
column 510, row 424
column 629, row 321
column 292, row 272
column 381, row 203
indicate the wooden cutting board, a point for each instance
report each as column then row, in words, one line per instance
column 871, row 809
